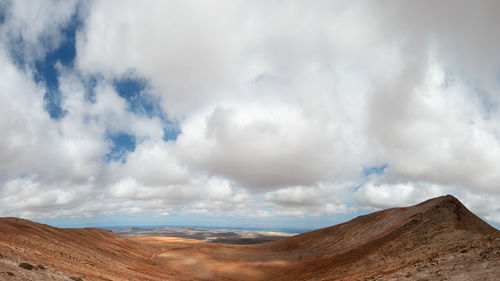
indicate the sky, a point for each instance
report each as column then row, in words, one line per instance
column 298, row 114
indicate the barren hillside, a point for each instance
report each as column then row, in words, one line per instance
column 86, row 253
column 395, row 240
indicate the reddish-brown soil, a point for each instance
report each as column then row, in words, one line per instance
column 436, row 240
column 87, row 253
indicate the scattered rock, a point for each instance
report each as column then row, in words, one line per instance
column 26, row 266
column 40, row 266
column 76, row 278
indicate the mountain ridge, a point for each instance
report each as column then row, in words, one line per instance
column 448, row 201
column 430, row 222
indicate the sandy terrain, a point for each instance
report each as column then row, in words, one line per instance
column 436, row 240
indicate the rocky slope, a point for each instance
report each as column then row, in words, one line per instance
column 408, row 240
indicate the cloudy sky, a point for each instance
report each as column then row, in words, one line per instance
column 263, row 113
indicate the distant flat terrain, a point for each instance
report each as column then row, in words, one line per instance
column 228, row 236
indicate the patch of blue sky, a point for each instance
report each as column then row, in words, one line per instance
column 52, row 101
column 121, row 144
column 90, row 84
column 136, row 92
column 4, row 7
column 367, row 172
column 375, row 170
column 170, row 132
column 356, row 188
column 46, row 71
column 16, row 52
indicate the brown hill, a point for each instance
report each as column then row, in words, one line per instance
column 391, row 240
column 438, row 239
column 92, row 254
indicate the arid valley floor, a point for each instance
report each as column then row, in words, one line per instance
column 438, row 239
